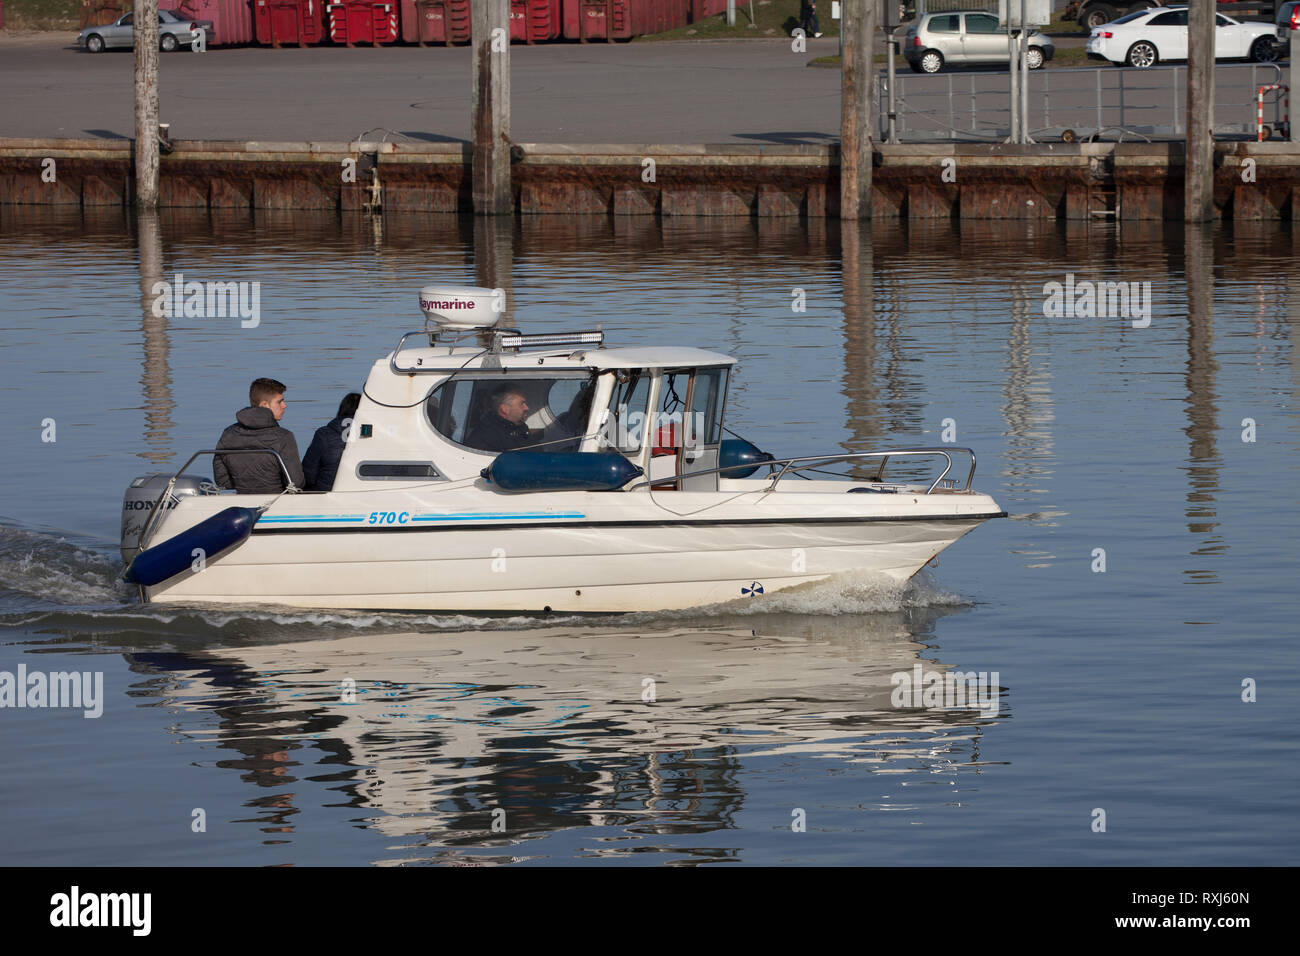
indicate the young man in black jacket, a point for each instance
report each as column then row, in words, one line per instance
column 320, row 465
column 258, row 426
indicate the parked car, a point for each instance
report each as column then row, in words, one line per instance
column 173, row 31
column 1286, row 13
column 965, row 37
column 1147, row 37
column 1093, row 13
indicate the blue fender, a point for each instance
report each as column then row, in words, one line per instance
column 737, row 451
column 213, row 535
column 560, row 471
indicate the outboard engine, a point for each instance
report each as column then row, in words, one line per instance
column 139, row 501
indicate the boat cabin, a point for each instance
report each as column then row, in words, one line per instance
column 454, row 396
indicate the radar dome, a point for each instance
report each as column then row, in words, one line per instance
column 462, row 307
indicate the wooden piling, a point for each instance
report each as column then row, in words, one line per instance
column 858, row 31
column 146, row 103
column 490, row 43
column 1198, row 186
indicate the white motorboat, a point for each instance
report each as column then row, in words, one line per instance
column 618, row 491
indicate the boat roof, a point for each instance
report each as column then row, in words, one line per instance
column 443, row 358
column 655, row 357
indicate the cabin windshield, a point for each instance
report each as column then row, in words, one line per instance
column 625, row 425
column 494, row 412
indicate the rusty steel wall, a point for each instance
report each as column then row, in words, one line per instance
column 1253, row 181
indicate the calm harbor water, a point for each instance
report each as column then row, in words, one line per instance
column 772, row 737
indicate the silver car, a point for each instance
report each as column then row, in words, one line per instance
column 173, row 31
column 966, row 37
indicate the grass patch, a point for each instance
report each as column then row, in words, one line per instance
column 880, row 59
column 43, row 14
column 772, row 18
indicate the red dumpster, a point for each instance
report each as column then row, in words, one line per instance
column 363, row 21
column 598, row 19
column 532, row 21
column 296, row 22
column 232, row 20
column 435, row 21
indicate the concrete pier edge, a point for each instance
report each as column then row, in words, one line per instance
column 1140, row 181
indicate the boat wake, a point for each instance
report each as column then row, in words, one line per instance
column 854, row 592
column 43, row 569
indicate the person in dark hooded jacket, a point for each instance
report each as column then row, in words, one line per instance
column 321, row 463
column 258, row 426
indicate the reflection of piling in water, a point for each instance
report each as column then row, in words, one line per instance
column 156, row 376
column 857, row 261
column 1026, row 401
column 1292, row 325
column 1202, row 412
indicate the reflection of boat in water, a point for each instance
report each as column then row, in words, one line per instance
column 567, row 727
column 617, row 492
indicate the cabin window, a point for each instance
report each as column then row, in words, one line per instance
column 625, row 426
column 467, row 410
column 679, row 426
column 707, row 401
column 397, row 470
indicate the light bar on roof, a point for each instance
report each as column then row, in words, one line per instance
column 515, row 340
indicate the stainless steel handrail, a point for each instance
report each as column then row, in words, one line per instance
column 792, row 465
column 421, row 369
column 147, row 531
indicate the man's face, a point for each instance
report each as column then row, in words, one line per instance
column 277, row 406
column 513, row 408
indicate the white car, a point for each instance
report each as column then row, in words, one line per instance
column 1144, row 39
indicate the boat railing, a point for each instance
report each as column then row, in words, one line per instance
column 146, row 533
column 783, row 467
column 491, row 343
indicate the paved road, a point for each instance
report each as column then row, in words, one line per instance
column 752, row 91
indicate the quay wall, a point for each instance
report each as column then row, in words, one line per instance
column 1129, row 181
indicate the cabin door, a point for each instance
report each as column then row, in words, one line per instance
column 689, row 424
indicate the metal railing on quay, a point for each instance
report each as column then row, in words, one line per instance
column 1101, row 103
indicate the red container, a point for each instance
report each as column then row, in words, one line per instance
column 435, row 21
column 624, row 19
column 363, row 21
column 289, row 22
column 598, row 19
column 232, row 20
column 98, row 13
column 532, row 21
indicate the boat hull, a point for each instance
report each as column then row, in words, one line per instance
column 582, row 559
